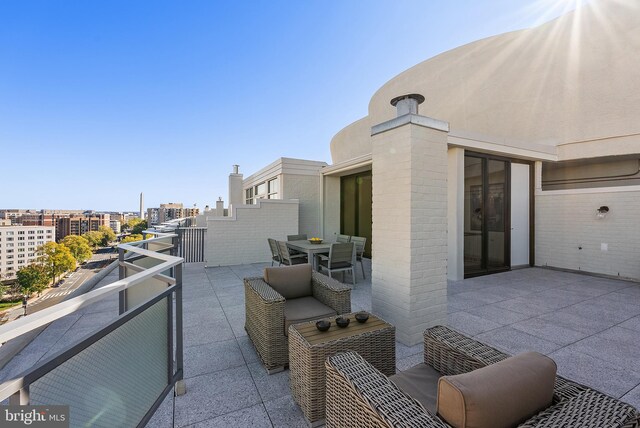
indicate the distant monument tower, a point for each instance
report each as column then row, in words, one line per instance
column 142, row 205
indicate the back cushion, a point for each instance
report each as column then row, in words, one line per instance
column 290, row 281
column 499, row 395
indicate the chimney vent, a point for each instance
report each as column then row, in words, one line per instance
column 407, row 104
column 235, row 169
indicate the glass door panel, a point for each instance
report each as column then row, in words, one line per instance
column 473, row 209
column 486, row 221
column 496, row 214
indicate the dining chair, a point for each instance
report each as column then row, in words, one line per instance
column 289, row 259
column 275, row 251
column 343, row 239
column 360, row 243
column 341, row 256
column 301, row 237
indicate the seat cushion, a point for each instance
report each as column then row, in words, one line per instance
column 304, row 309
column 337, row 265
column 291, row 282
column 499, row 395
column 421, row 383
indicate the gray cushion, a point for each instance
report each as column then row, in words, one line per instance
column 291, row 282
column 421, row 383
column 336, row 265
column 500, row 395
column 304, row 309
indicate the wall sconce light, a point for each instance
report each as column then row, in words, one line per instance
column 602, row 211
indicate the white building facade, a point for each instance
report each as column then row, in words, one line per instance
column 18, row 246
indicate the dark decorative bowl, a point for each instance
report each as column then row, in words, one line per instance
column 315, row 241
column 362, row 317
column 342, row 322
column 323, row 325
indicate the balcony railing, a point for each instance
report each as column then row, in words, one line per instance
column 120, row 374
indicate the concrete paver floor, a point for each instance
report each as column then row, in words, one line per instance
column 588, row 325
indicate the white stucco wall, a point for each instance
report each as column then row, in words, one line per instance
column 566, row 221
column 242, row 238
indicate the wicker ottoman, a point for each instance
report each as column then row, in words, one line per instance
column 374, row 340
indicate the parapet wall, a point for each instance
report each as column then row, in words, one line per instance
column 242, row 237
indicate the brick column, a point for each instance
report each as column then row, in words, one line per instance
column 409, row 240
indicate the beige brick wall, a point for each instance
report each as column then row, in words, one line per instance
column 409, row 263
column 306, row 189
column 566, row 221
column 242, row 238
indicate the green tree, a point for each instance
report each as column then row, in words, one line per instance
column 138, row 227
column 32, row 278
column 56, row 259
column 129, row 224
column 108, row 235
column 94, row 238
column 132, row 238
column 79, row 247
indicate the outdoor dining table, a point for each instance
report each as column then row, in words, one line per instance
column 311, row 249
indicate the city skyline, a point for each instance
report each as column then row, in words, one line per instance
column 93, row 94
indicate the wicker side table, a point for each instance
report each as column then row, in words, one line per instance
column 375, row 340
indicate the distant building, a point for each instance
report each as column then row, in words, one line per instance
column 18, row 245
column 170, row 211
column 80, row 225
column 115, row 225
column 14, row 213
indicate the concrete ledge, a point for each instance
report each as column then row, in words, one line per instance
column 416, row 119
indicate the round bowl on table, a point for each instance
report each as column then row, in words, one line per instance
column 323, row 325
column 315, row 241
column 362, row 317
column 342, row 322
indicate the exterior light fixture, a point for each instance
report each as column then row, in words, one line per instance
column 602, row 211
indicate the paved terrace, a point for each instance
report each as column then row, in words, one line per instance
column 588, row 325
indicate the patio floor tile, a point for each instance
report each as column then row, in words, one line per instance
column 211, row 357
column 285, row 413
column 549, row 331
column 514, row 341
column 470, row 324
column 215, row 394
column 594, row 372
column 250, row 417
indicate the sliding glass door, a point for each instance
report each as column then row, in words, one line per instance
column 486, row 215
column 355, row 207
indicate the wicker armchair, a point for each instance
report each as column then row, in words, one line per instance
column 360, row 396
column 265, row 315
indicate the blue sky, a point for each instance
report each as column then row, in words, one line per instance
column 100, row 101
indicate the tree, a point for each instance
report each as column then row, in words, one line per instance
column 138, row 227
column 94, row 238
column 108, row 235
column 32, row 278
column 56, row 259
column 132, row 238
column 79, row 247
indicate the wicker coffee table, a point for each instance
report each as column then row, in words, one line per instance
column 375, row 340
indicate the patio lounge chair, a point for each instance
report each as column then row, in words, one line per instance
column 285, row 296
column 359, row 395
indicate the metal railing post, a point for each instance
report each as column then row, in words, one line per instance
column 180, row 388
column 21, row 397
column 122, row 273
